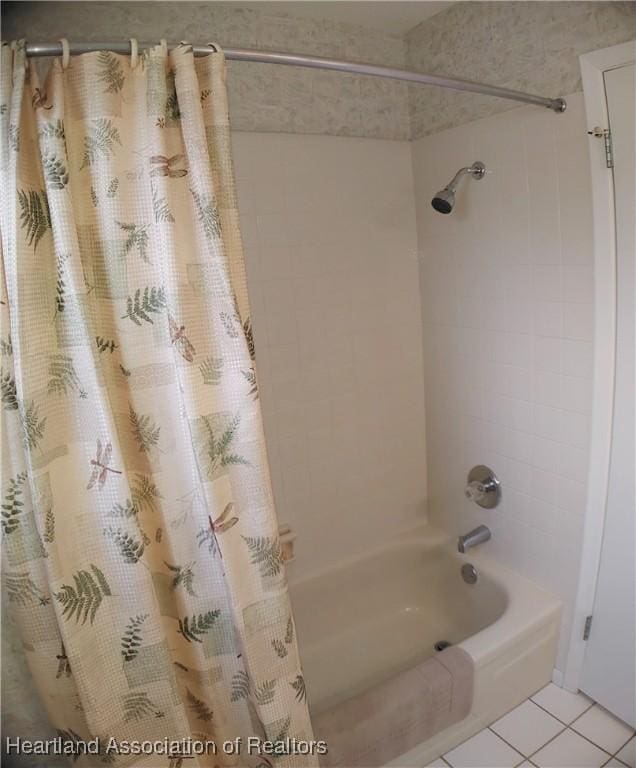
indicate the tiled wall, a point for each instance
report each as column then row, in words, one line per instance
column 530, row 46
column 507, row 291
column 263, row 97
column 329, row 229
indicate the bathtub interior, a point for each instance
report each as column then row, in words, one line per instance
column 369, row 619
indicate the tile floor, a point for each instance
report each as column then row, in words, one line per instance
column 552, row 729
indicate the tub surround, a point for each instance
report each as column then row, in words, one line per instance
column 506, row 285
column 331, row 254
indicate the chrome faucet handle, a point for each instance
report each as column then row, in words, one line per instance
column 483, row 487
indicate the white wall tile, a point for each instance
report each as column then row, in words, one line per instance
column 333, row 278
column 523, row 329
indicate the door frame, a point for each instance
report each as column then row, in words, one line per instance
column 593, row 65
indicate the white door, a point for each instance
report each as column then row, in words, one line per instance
column 609, row 667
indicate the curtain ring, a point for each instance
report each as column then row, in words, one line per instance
column 66, row 52
column 216, row 48
column 134, row 53
column 164, row 46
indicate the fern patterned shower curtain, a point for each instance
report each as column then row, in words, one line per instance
column 140, row 551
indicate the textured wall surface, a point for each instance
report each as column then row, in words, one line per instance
column 507, row 291
column 529, row 46
column 329, row 229
column 263, row 97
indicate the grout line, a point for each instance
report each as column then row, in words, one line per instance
column 578, row 734
column 516, row 749
column 624, row 745
column 567, row 725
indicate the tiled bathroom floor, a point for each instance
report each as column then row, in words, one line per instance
column 552, row 729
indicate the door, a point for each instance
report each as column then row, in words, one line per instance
column 609, row 667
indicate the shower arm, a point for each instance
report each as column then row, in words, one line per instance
column 477, row 171
column 315, row 62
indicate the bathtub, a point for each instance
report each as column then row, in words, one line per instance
column 377, row 615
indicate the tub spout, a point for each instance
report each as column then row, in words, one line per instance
column 473, row 538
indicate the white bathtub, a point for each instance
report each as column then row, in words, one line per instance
column 376, row 615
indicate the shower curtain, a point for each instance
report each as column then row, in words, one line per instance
column 140, row 553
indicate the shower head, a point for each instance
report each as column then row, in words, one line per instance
column 444, row 200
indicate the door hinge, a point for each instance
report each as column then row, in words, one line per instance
column 587, row 628
column 606, row 135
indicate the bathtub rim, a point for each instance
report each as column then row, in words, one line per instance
column 526, row 603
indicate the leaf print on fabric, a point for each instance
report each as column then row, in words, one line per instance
column 250, row 376
column 144, row 430
column 279, row 647
column 193, row 627
column 299, row 686
column 139, row 307
column 265, row 692
column 32, row 426
column 211, row 370
column 52, row 130
column 55, row 172
column 137, row 237
column 14, row 137
column 249, row 337
column 282, row 731
column 144, row 493
column 163, row 166
column 63, row 377
column 129, row 548
column 9, row 391
column 126, row 510
column 131, row 639
column 110, row 72
column 228, row 323
column 217, row 448
column 265, row 553
column 105, row 345
column 184, row 576
column 35, row 216
column 172, row 102
column 205, row 536
column 240, row 686
column 101, row 466
column 160, row 207
column 12, row 505
column 112, row 188
column 289, row 633
column 99, row 141
column 60, row 284
column 199, row 707
column 208, row 214
column 137, row 706
column 82, row 600
column 180, row 341
column 6, row 347
column 49, row 527
column 22, row 590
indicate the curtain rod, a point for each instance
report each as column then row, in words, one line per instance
column 317, row 62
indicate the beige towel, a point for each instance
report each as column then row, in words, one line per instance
column 378, row 725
